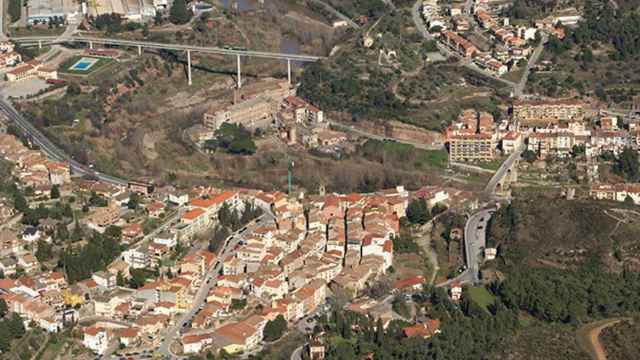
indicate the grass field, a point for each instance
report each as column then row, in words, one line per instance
column 65, row 67
column 482, row 296
column 37, row 31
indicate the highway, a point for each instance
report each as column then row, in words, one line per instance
column 45, row 40
column 50, row 149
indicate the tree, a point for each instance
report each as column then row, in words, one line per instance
column 16, row 326
column 55, row 192
column 417, row 212
column 626, row 164
column 3, row 308
column 275, row 329
column 379, row 331
column 44, row 251
column 134, row 201
column 529, row 156
column 15, row 10
column 179, row 13
column 120, row 280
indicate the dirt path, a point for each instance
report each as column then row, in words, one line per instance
column 589, row 337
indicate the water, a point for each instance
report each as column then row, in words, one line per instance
column 290, row 46
column 240, row 5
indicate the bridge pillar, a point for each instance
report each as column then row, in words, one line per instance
column 289, row 71
column 239, row 74
column 90, row 44
column 39, row 44
column 139, row 50
column 189, row 66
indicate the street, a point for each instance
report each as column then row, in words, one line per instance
column 171, row 334
column 490, row 189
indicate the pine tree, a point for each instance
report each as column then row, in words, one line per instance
column 179, row 13
column 379, row 332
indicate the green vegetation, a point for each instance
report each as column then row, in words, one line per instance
column 101, row 249
column 10, row 328
column 401, row 307
column 232, row 138
column 402, row 155
column 405, row 244
column 418, row 212
column 597, row 58
column 15, row 10
column 275, row 329
column 627, row 165
column 179, row 13
column 481, row 296
column 238, row 304
column 139, row 277
column 65, row 67
column 622, row 340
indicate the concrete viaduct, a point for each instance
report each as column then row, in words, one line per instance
column 140, row 45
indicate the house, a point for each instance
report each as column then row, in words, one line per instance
column 28, row 262
column 128, row 336
column 238, row 337
column 104, row 279
column 155, row 209
column 131, row 232
column 96, row 339
column 194, row 344
column 179, row 198
column 490, row 253
column 8, row 266
column 425, row 330
column 409, row 284
column 31, row 234
column 455, row 291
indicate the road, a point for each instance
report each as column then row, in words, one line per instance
column 518, row 90
column 232, row 241
column 369, row 135
column 490, row 189
column 47, row 40
column 50, row 149
column 337, row 13
column 3, row 36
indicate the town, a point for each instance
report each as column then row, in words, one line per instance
column 319, row 179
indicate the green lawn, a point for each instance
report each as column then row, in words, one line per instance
column 492, row 165
column 65, row 67
column 37, row 31
column 481, row 296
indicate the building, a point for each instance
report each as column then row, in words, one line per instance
column 41, row 11
column 96, row 339
column 472, row 147
column 31, row 69
column 545, row 112
column 617, row 192
column 463, row 46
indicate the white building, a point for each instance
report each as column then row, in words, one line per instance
column 96, row 339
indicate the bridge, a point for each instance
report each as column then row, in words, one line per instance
column 141, row 45
column 506, row 174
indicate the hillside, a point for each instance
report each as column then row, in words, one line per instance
column 622, row 340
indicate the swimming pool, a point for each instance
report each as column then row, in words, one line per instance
column 83, row 64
